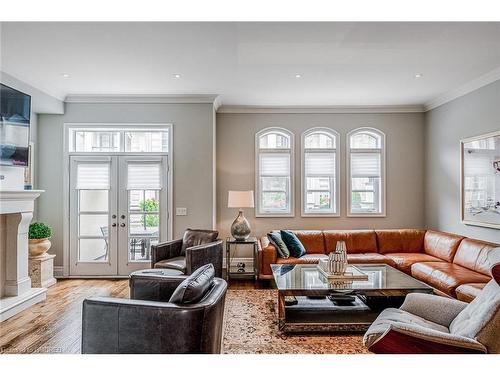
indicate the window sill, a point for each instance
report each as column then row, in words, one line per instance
column 303, row 214
column 274, row 215
column 366, row 215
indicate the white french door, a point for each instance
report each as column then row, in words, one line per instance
column 118, row 209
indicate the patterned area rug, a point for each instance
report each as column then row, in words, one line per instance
column 251, row 326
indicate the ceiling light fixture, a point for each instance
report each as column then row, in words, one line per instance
column 298, row 75
column 65, row 75
column 419, row 75
column 177, row 75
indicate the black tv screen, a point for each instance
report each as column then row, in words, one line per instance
column 15, row 113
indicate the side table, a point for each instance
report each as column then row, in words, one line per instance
column 232, row 271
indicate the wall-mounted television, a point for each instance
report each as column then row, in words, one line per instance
column 15, row 113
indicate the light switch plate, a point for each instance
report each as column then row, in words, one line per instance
column 181, row 211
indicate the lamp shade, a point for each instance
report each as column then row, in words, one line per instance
column 240, row 199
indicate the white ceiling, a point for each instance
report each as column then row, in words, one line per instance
column 253, row 63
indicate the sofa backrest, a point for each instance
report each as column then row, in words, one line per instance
column 441, row 245
column 473, row 254
column 357, row 241
column 400, row 240
column 313, row 240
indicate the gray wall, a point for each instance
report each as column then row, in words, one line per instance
column 473, row 114
column 405, row 167
column 193, row 132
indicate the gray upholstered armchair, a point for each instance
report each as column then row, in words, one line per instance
column 148, row 323
column 433, row 324
column 197, row 248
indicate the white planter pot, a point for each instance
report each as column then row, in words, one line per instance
column 38, row 247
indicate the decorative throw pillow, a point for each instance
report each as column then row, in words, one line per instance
column 194, row 287
column 195, row 237
column 275, row 239
column 292, row 243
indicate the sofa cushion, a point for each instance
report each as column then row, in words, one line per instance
column 195, row 237
column 194, row 287
column 446, row 276
column 467, row 292
column 480, row 320
column 400, row 241
column 441, row 245
column 305, row 259
column 277, row 241
column 370, row 258
column 292, row 243
column 312, row 240
column 403, row 261
column 357, row 241
column 473, row 254
column 177, row 263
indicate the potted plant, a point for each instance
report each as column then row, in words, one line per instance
column 39, row 234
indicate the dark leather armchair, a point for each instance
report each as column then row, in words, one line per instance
column 196, row 248
column 115, row 325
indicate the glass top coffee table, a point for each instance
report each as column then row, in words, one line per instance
column 309, row 302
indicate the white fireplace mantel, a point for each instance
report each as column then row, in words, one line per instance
column 16, row 210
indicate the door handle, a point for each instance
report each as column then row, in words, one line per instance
column 122, row 225
column 113, row 225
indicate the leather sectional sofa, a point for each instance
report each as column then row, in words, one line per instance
column 453, row 265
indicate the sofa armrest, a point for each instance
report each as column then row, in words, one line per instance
column 267, row 255
column 154, row 287
column 412, row 339
column 437, row 309
column 165, row 250
column 197, row 256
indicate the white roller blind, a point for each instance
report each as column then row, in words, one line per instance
column 477, row 164
column 92, row 176
column 275, row 164
column 365, row 165
column 320, row 164
column 143, row 176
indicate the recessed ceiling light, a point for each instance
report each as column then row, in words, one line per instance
column 177, row 75
column 419, row 75
column 298, row 75
column 65, row 75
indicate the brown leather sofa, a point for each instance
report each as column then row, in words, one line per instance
column 453, row 265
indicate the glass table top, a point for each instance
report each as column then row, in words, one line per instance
column 306, row 277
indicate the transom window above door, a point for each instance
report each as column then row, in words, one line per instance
column 124, row 139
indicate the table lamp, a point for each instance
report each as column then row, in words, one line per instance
column 240, row 229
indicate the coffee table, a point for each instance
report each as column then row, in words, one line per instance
column 313, row 312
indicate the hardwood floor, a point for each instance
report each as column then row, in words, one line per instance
column 54, row 325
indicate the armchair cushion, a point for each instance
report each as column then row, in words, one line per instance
column 177, row 263
column 480, row 320
column 194, row 287
column 439, row 310
column 195, row 237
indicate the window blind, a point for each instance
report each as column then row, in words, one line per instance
column 92, row 176
column 477, row 164
column 320, row 164
column 143, row 176
column 274, row 164
column 365, row 165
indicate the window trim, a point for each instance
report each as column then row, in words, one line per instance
column 382, row 151
column 303, row 187
column 291, row 152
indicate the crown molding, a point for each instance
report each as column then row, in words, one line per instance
column 465, row 89
column 322, row 109
column 142, row 99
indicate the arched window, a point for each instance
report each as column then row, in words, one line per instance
column 274, row 172
column 366, row 172
column 320, row 172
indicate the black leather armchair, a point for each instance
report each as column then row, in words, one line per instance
column 195, row 249
column 114, row 325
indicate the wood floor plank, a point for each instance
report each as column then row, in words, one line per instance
column 55, row 325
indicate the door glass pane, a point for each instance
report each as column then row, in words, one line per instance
column 93, row 225
column 140, row 248
column 93, row 250
column 94, row 200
